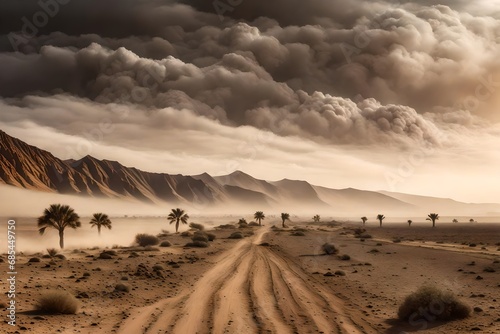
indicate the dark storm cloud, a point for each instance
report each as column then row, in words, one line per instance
column 362, row 73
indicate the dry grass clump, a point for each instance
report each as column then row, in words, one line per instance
column 197, row 226
column 329, row 248
column 200, row 244
column 236, row 235
column 345, row 257
column 122, row 287
column 443, row 305
column 144, row 240
column 52, row 252
column 57, row 301
column 165, row 243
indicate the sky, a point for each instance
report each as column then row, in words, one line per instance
column 380, row 95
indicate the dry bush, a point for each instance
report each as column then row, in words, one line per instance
column 122, row 287
column 200, row 244
column 186, row 234
column 52, row 252
column 144, row 240
column 236, row 235
column 329, row 248
column 298, row 234
column 345, row 257
column 57, row 301
column 253, row 224
column 200, row 236
column 165, row 243
column 211, row 236
column 441, row 304
column 196, row 226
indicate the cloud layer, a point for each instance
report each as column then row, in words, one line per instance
column 395, row 75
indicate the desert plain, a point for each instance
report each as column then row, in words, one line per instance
column 272, row 280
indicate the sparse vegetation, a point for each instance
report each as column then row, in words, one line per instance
column 442, row 304
column 364, row 219
column 197, row 226
column 454, row 220
column 329, row 248
column 122, row 287
column 284, row 217
column 433, row 217
column 178, row 216
column 236, row 235
column 345, row 257
column 100, row 220
column 57, row 301
column 197, row 243
column 144, row 240
column 380, row 218
column 165, row 243
column 259, row 216
column 52, row 252
column 242, row 223
column 316, row 218
column 409, row 221
column 58, row 217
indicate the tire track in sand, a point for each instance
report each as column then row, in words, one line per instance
column 251, row 289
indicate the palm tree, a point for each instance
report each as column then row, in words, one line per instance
column 409, row 222
column 454, row 220
column 433, row 217
column 364, row 219
column 178, row 215
column 242, row 221
column 380, row 218
column 316, row 218
column 100, row 220
column 59, row 217
column 259, row 216
column 284, row 216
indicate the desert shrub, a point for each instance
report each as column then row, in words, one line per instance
column 253, row 224
column 34, row 259
column 329, row 248
column 52, row 252
column 345, row 257
column 60, row 256
column 186, row 234
column 236, row 235
column 200, row 244
column 340, row 273
column 165, row 243
column 122, row 287
column 105, row 256
column 226, row 226
column 158, row 267
column 442, row 304
column 200, row 236
column 196, row 226
column 151, row 249
column 110, row 252
column 57, row 301
column 211, row 236
column 489, row 270
column 144, row 240
column 365, row 236
column 298, row 234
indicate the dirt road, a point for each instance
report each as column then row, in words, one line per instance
column 251, row 289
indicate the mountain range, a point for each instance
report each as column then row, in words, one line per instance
column 26, row 166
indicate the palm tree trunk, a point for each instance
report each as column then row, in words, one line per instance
column 283, row 223
column 177, row 226
column 99, row 229
column 380, row 223
column 433, row 223
column 61, row 238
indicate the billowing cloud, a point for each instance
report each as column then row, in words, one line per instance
column 389, row 75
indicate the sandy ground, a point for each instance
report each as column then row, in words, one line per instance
column 286, row 285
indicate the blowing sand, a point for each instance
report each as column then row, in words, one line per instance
column 271, row 281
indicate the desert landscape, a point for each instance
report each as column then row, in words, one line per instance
column 249, row 166
column 267, row 279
